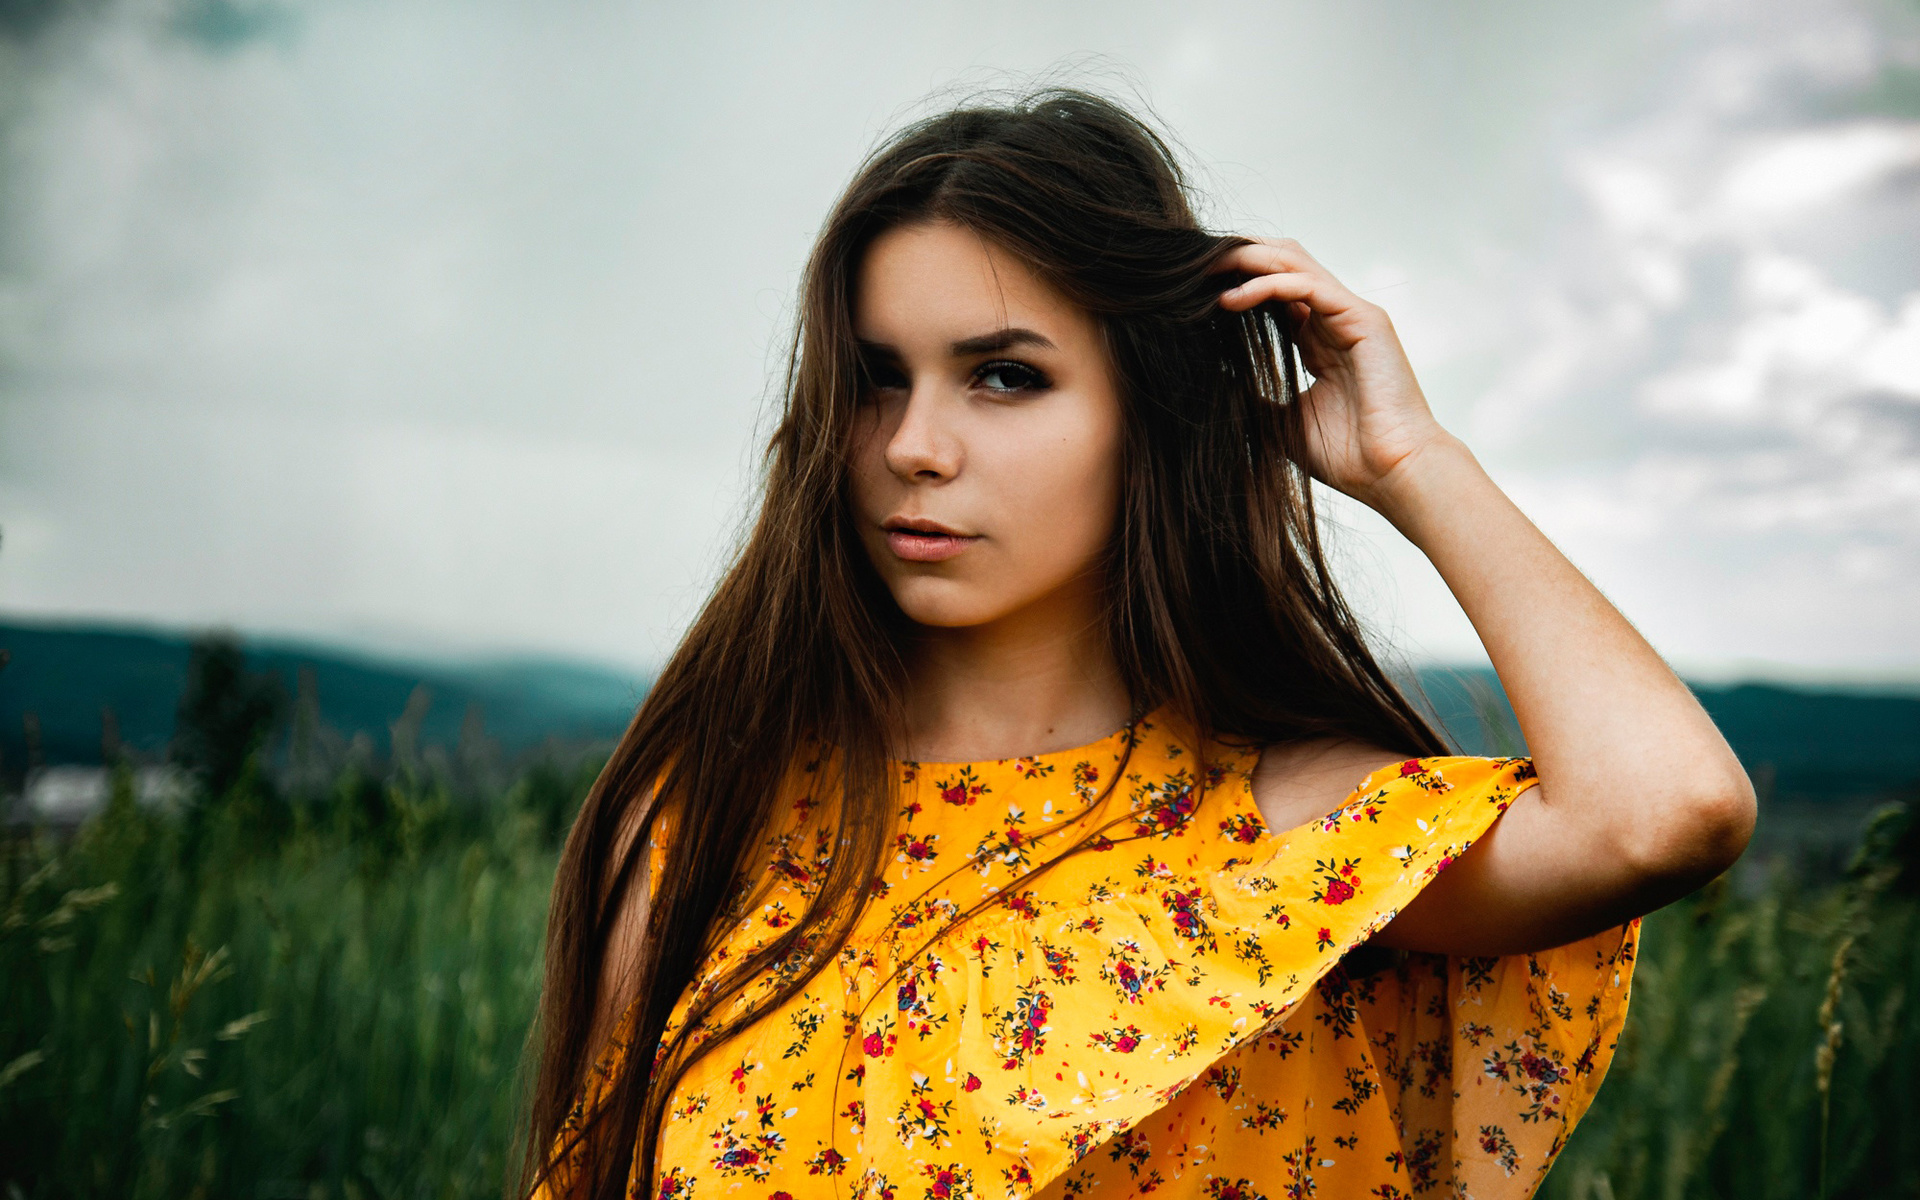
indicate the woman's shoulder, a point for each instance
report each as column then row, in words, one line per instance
column 1298, row 782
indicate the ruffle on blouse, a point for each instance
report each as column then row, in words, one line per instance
column 1170, row 1010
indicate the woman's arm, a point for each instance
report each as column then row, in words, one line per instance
column 1640, row 799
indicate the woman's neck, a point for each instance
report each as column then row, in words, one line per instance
column 1035, row 681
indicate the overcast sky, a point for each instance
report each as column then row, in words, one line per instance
column 448, row 326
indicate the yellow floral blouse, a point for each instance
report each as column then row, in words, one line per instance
column 1170, row 1010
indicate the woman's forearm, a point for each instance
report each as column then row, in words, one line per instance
column 1623, row 749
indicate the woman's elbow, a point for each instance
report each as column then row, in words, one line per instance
column 1695, row 830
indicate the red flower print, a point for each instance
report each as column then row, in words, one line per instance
column 674, row 1185
column 1184, row 908
column 1166, row 810
column 918, row 849
column 948, row 1182
column 1424, row 776
column 963, row 790
column 1032, row 768
column 827, row 1162
column 1123, row 970
column 1021, row 1030
column 1058, row 959
column 1243, row 827
column 971, row 1083
column 1339, row 880
column 1124, row 1040
column 1225, row 1081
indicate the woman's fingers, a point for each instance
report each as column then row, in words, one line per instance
column 1302, row 278
column 1267, row 257
column 1287, row 285
column 1319, row 310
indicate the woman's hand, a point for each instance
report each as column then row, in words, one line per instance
column 1366, row 417
column 1640, row 799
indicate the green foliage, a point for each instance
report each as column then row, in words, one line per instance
column 1772, row 1044
column 333, row 1003
column 226, row 712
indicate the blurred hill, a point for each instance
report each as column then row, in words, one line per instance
column 1800, row 745
column 70, row 680
column 1803, row 745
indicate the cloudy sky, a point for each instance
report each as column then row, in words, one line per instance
column 448, row 326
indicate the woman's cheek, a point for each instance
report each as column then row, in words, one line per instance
column 1088, row 469
column 1067, row 495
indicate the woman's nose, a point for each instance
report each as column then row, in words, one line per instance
column 925, row 447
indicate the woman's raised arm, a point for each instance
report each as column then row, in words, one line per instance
column 1640, row 799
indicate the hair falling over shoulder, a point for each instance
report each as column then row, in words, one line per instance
column 1220, row 601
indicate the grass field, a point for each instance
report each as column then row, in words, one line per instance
column 326, row 996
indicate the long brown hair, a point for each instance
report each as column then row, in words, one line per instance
column 1220, row 602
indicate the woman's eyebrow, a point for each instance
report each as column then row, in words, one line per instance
column 1002, row 339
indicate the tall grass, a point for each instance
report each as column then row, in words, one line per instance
column 328, row 997
column 269, row 1000
column 1772, row 1047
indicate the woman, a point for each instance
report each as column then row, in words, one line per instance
column 1025, row 813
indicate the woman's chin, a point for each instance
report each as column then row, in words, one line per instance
column 942, row 604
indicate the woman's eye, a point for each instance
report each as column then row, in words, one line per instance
column 1009, row 377
column 882, row 376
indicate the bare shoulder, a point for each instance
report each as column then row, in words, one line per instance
column 1297, row 782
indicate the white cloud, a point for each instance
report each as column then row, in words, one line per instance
column 459, row 321
column 1785, row 176
column 1753, row 389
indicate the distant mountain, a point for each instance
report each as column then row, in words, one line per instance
column 1803, row 744
column 1799, row 744
column 67, row 676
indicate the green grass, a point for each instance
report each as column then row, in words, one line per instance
column 328, row 998
column 262, row 1003
column 1772, row 1047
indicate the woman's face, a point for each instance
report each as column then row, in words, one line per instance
column 986, row 453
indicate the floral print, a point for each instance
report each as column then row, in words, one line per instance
column 1171, row 1006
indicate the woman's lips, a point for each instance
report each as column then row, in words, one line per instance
column 916, row 545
